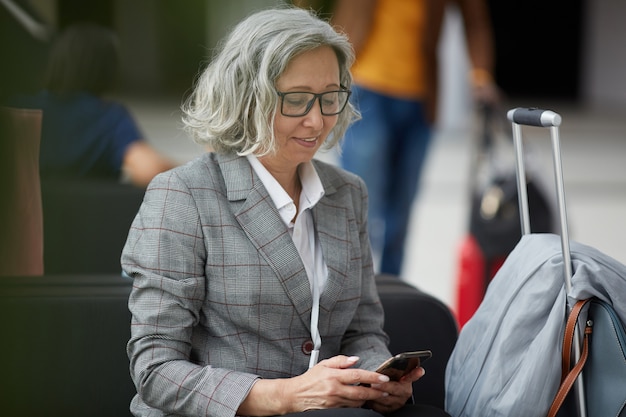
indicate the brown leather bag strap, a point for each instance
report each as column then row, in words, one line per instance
column 568, row 336
column 568, row 377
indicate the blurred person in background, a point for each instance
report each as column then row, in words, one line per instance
column 84, row 134
column 396, row 89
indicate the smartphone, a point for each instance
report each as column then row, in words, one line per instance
column 401, row 364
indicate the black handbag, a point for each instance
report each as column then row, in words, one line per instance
column 602, row 361
column 494, row 218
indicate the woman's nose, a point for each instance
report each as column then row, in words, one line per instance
column 314, row 117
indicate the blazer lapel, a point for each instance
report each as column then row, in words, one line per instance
column 331, row 222
column 259, row 218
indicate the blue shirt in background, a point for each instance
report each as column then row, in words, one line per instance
column 82, row 135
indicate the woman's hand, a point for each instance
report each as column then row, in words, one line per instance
column 332, row 383
column 398, row 392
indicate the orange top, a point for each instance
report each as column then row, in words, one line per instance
column 391, row 61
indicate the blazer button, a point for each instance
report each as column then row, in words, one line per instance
column 307, row 347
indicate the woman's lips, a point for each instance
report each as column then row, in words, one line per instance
column 310, row 142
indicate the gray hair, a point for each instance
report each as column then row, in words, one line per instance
column 233, row 105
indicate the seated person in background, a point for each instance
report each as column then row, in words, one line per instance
column 85, row 135
column 254, row 290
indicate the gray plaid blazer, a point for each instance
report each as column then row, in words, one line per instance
column 221, row 297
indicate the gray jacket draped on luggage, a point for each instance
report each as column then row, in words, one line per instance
column 507, row 361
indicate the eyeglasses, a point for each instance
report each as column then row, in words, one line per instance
column 296, row 104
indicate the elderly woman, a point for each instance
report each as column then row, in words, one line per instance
column 254, row 292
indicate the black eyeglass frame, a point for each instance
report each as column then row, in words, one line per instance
column 309, row 106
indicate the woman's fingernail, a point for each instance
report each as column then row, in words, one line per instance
column 353, row 359
column 383, row 378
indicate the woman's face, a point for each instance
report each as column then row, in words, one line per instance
column 299, row 138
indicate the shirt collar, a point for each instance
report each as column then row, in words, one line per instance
column 312, row 188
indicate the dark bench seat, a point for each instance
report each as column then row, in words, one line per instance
column 63, row 348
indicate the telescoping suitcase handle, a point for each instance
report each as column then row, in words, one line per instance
column 541, row 118
column 547, row 118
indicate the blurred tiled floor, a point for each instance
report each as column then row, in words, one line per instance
column 593, row 148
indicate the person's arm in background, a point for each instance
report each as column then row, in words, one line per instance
column 479, row 40
column 481, row 49
column 142, row 162
column 354, row 18
column 434, row 14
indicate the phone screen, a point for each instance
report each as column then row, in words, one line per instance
column 401, row 364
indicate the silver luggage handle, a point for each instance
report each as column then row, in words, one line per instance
column 534, row 117
column 541, row 118
column 547, row 118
